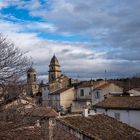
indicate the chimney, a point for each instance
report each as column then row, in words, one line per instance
column 85, row 112
column 38, row 123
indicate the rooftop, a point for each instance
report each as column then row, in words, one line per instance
column 100, row 127
column 21, row 131
column 54, row 61
column 91, row 83
column 104, row 85
column 60, row 91
column 137, row 89
column 124, row 102
column 31, row 69
column 11, row 131
column 41, row 112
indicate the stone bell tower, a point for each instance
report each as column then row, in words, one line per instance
column 32, row 82
column 31, row 76
column 54, row 69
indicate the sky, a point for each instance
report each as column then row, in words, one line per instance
column 88, row 37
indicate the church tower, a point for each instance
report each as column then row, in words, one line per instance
column 31, row 76
column 32, row 86
column 54, row 69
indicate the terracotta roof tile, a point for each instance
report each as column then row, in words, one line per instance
column 60, row 91
column 126, row 102
column 41, row 112
column 100, row 127
column 137, row 89
column 13, row 131
column 90, row 84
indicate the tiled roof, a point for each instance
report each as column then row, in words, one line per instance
column 31, row 70
column 61, row 134
column 54, row 61
column 62, row 76
column 100, row 127
column 85, row 84
column 41, row 112
column 90, row 84
column 137, row 89
column 104, row 85
column 16, row 131
column 19, row 132
column 60, row 91
column 44, row 85
column 126, row 102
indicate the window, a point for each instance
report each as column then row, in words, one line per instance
column 81, row 92
column 53, row 121
column 52, row 76
column 97, row 95
column 34, row 77
column 35, row 86
column 117, row 116
column 29, row 76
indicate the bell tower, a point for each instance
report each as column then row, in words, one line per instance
column 54, row 69
column 31, row 76
column 32, row 86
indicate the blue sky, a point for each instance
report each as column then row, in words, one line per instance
column 87, row 37
column 22, row 15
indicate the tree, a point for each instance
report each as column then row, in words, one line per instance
column 13, row 63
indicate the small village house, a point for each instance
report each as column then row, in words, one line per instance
column 125, row 109
column 62, row 99
column 105, row 90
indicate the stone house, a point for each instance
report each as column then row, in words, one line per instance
column 105, row 90
column 91, row 92
column 44, row 89
column 62, row 99
column 125, row 109
column 83, row 95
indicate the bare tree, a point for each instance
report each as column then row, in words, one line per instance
column 13, row 63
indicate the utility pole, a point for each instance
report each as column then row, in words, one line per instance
column 105, row 76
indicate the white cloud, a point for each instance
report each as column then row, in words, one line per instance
column 114, row 27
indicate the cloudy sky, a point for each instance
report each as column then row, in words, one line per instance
column 88, row 37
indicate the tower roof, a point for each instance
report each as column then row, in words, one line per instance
column 54, row 61
column 31, row 69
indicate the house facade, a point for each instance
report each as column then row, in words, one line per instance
column 44, row 89
column 83, row 96
column 92, row 92
column 105, row 90
column 125, row 109
column 62, row 99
